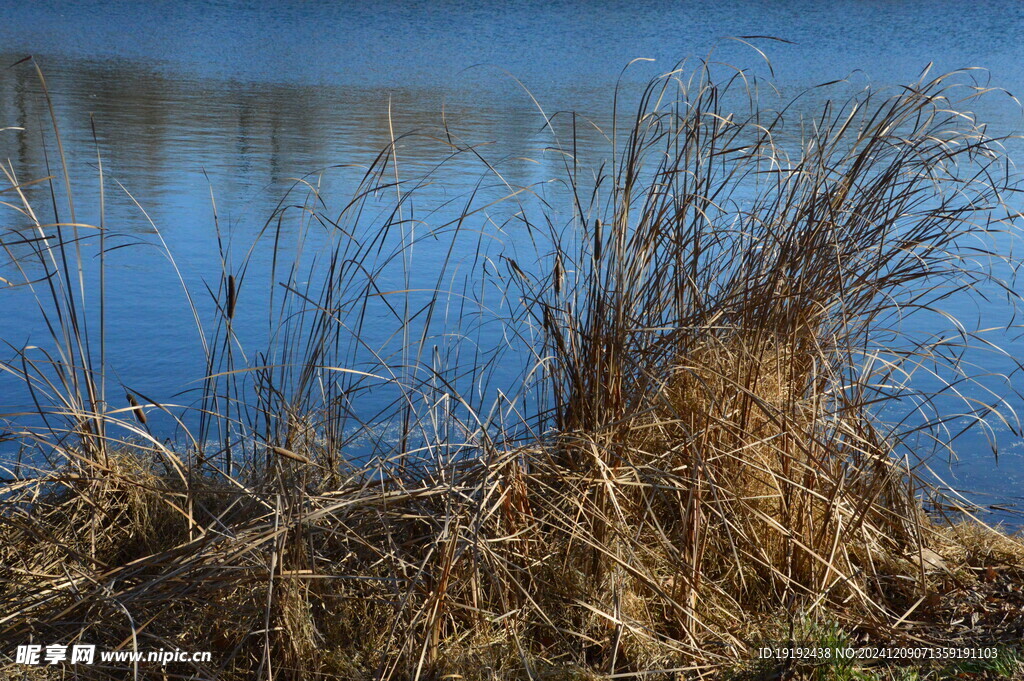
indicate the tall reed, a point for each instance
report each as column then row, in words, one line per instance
column 712, row 331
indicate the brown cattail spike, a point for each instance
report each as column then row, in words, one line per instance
column 289, row 454
column 140, row 415
column 558, row 275
column 232, row 296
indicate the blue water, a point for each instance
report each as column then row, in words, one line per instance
column 234, row 99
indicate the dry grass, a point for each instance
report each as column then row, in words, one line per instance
column 573, row 570
column 704, row 464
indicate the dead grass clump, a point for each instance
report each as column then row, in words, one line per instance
column 80, row 521
column 517, row 566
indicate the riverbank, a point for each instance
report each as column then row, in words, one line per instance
column 521, row 566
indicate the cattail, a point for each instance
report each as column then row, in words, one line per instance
column 514, row 266
column 597, row 240
column 232, row 296
column 558, row 274
column 140, row 415
column 289, row 454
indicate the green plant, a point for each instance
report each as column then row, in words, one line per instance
column 1008, row 663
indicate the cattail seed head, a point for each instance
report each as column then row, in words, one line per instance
column 137, row 410
column 289, row 454
column 232, row 296
column 557, row 276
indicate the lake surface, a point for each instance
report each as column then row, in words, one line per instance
column 234, row 99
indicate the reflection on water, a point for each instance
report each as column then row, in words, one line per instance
column 234, row 99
